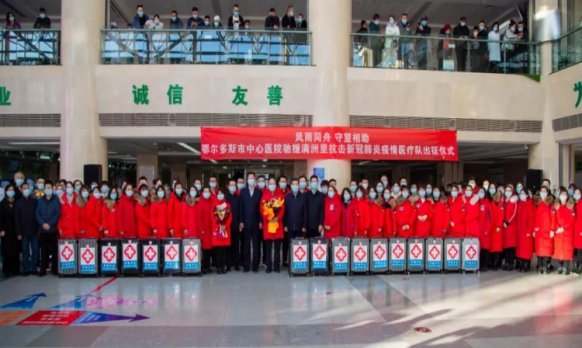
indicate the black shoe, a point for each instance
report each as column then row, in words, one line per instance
column 509, row 269
column 485, row 269
column 204, row 271
column 246, row 271
column 255, row 271
column 268, row 270
column 41, row 274
column 210, row 270
column 277, row 270
column 545, row 271
column 286, row 264
column 25, row 274
column 237, row 269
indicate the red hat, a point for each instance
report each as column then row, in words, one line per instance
column 447, row 27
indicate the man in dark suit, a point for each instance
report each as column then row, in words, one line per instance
column 314, row 207
column 233, row 198
column 295, row 216
column 250, row 222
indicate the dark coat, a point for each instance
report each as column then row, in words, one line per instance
column 249, row 212
column 41, row 23
column 178, row 24
column 295, row 217
column 10, row 243
column 271, row 22
column 48, row 212
column 234, row 201
column 199, row 21
column 135, row 24
column 241, row 22
column 315, row 206
column 289, row 22
column 24, row 216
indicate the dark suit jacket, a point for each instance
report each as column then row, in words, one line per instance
column 295, row 217
column 249, row 212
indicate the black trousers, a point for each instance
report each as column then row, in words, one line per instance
column 462, row 59
column 269, row 254
column 509, row 254
column 578, row 257
column 286, row 248
column 313, row 233
column 544, row 261
column 251, row 237
column 206, row 256
column 484, row 258
column 234, row 249
column 11, row 264
column 221, row 256
column 495, row 260
column 48, row 247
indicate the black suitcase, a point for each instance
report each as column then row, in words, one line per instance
column 378, row 255
column 452, row 254
column 150, row 256
column 359, row 253
column 130, row 257
column 299, row 254
column 415, row 255
column 340, row 256
column 171, row 256
column 434, row 255
column 319, row 256
column 67, row 258
column 191, row 256
column 88, row 257
column 397, row 255
column 109, row 257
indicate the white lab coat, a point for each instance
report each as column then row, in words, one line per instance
column 493, row 46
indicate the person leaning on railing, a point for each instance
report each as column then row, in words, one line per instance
column 494, row 48
column 11, row 22
column 42, row 22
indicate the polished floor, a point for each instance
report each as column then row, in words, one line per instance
column 494, row 309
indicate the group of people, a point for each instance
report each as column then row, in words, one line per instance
column 41, row 22
column 262, row 214
column 481, row 46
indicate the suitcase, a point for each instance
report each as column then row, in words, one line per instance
column 470, row 255
column 191, row 256
column 109, row 257
column 359, row 253
column 171, row 256
column 88, row 251
column 150, row 256
column 452, row 254
column 67, row 257
column 397, row 255
column 434, row 255
column 415, row 255
column 299, row 252
column 378, row 255
column 319, row 256
column 340, row 256
column 130, row 257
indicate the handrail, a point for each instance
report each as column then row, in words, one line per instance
column 29, row 46
column 416, row 37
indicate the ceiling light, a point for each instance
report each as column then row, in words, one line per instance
column 213, row 161
column 189, row 148
column 35, row 143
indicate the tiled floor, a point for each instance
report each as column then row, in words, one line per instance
column 273, row 310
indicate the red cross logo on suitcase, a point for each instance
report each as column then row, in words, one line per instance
column 67, row 253
column 379, row 252
column 191, row 253
column 397, row 251
column 129, row 251
column 434, row 252
column 453, row 252
column 88, row 256
column 471, row 252
column 341, row 254
column 171, row 252
column 319, row 252
column 360, row 254
column 300, row 253
column 109, row 254
column 150, row 253
column 416, row 251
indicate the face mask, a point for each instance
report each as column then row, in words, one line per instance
column 193, row 194
column 422, row 194
column 174, row 19
column 405, row 195
column 206, row 195
column 251, row 182
column 300, row 20
column 396, row 189
column 272, row 187
column 282, row 185
column 481, row 28
column 481, row 195
column 353, row 188
column 302, row 185
column 179, row 192
column 403, row 183
column 359, row 194
column 26, row 192
column 144, row 193
column 428, row 191
column 212, row 185
column 314, row 186
column 262, row 185
column 195, row 16
column 377, row 22
column 386, row 196
column 462, row 24
column 518, row 189
column 563, row 199
column 523, row 197
column 291, row 14
column 105, row 190
column 423, row 23
column 520, row 30
column 577, row 196
column 42, row 16
column 436, row 194
column 236, row 13
column 294, row 188
column 207, row 23
column 40, row 186
column 59, row 192
column 232, row 189
column 543, row 195
column 413, row 191
column 475, row 33
column 69, row 190
column 570, row 192
column 140, row 13
column 385, row 183
column 492, row 191
column 85, row 194
column 161, row 194
column 507, row 194
column 216, row 24
column 365, row 186
column 220, row 197
column 78, row 188
column 379, row 189
column 93, row 187
column 11, row 19
column 347, row 197
column 404, row 21
column 10, row 194
column 129, row 193
column 454, row 194
column 331, row 194
column 495, row 29
column 468, row 193
column 448, row 32
column 113, row 196
column 198, row 187
column 19, row 182
column 324, row 190
column 97, row 195
column 248, row 26
column 373, row 195
column 472, row 185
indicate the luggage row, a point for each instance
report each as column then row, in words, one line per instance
column 125, row 257
column 318, row 256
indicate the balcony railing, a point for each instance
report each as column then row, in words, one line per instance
column 206, row 46
column 567, row 50
column 30, row 46
column 445, row 54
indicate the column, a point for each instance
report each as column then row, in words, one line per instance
column 81, row 142
column 331, row 56
column 147, row 165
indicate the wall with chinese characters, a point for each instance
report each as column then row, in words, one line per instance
column 30, row 90
column 565, row 92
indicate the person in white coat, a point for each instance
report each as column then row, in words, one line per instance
column 391, row 44
column 494, row 48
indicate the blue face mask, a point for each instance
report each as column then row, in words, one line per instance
column 347, row 197
column 570, row 192
column 59, row 192
column 495, row 29
column 261, row 185
column 11, row 19
column 26, row 192
column 428, row 191
column 93, row 187
column 140, row 14
column 236, row 13
column 179, row 192
column 85, row 194
column 454, row 194
column 69, row 191
column 507, row 194
column 314, row 186
column 391, row 22
column 40, row 186
column 543, row 195
column 240, row 186
column 232, row 189
column 78, row 188
column 212, row 184
column 144, row 193
column 386, row 196
column 129, row 193
column 436, row 194
column 379, row 189
column 161, row 194
column 198, row 187
column 518, row 189
column 324, row 190
column 373, row 195
column 422, row 194
column 353, row 188
column 113, row 196
column 195, row 16
column 520, row 30
column 405, row 195
column 359, row 194
column 300, row 20
column 220, row 196
column 216, row 24
column 492, row 191
column 174, row 19
column 331, row 194
column 481, row 195
column 396, row 189
column 385, row 183
column 207, row 23
column 19, row 182
column 577, row 196
column 423, row 23
column 42, row 16
column 251, row 182
column 97, row 195
column 302, row 185
column 413, row 191
column 272, row 187
column 404, row 21
column 468, row 193
column 282, row 185
column 105, row 190
column 10, row 194
column 206, row 195
column 193, row 194
column 294, row 188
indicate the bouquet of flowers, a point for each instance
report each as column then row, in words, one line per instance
column 221, row 214
column 272, row 208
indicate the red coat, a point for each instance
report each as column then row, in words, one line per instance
column 485, row 219
column 142, row 213
column 222, row 239
column 389, row 219
column 472, row 212
column 206, row 217
column 564, row 217
column 111, row 219
column 525, row 227
column 405, row 215
column 496, row 232
column 441, row 218
column 376, row 219
column 67, row 224
column 191, row 218
column 543, row 227
column 510, row 219
column 159, row 217
column 458, row 212
column 266, row 197
column 333, row 213
column 90, row 218
column 82, row 223
column 175, row 215
column 578, row 226
column 127, row 212
column 422, row 228
column 364, row 218
column 350, row 219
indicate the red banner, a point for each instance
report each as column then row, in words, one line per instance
column 328, row 143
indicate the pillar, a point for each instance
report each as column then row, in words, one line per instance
column 81, row 142
column 147, row 165
column 331, row 57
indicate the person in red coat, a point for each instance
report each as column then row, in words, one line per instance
column 364, row 219
column 424, row 213
column 472, row 208
column 484, row 228
column 142, row 212
column 69, row 213
column 441, row 217
column 221, row 220
column 389, row 203
column 191, row 214
column 376, row 207
column 175, row 227
column 496, row 232
column 159, row 214
column 525, row 228
column 578, row 230
column 350, row 215
column 405, row 215
column 509, row 228
column 543, row 232
column 563, row 226
column 272, row 224
column 82, row 223
column 110, row 215
column 332, row 214
column 458, row 212
column 205, row 228
column 128, row 226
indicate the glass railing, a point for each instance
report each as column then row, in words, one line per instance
column 30, row 46
column 205, row 46
column 567, row 50
column 445, row 54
